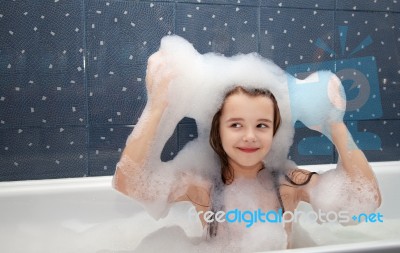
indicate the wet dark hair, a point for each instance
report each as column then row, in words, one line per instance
column 227, row 174
column 215, row 137
column 294, row 177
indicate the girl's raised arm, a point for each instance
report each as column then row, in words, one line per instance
column 129, row 177
column 155, row 188
column 352, row 186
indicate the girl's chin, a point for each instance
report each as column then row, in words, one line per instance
column 248, row 164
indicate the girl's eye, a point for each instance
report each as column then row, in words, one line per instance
column 262, row 126
column 236, row 125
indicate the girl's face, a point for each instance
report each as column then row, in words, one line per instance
column 246, row 129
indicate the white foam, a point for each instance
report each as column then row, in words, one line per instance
column 202, row 81
column 197, row 91
column 335, row 192
column 141, row 233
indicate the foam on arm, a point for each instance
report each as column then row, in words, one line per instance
column 352, row 186
column 151, row 188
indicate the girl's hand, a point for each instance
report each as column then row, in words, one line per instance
column 158, row 79
column 328, row 111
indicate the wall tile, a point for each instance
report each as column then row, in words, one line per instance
column 171, row 147
column 38, row 153
column 187, row 132
column 49, row 101
column 122, row 33
column 106, row 144
column 379, row 139
column 231, row 2
column 224, row 29
column 117, row 97
column 41, row 64
column 310, row 147
column 368, row 5
column 312, row 4
column 121, row 36
column 369, row 45
column 289, row 36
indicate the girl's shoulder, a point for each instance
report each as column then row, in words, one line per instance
column 298, row 177
column 295, row 185
column 193, row 188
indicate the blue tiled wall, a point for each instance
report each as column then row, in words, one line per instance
column 72, row 72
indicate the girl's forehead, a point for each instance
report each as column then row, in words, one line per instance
column 240, row 99
column 244, row 104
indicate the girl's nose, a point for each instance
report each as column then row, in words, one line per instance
column 249, row 136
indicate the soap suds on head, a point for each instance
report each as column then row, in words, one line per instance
column 201, row 83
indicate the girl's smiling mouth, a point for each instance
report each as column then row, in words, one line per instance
column 248, row 150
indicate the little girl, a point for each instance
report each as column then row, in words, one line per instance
column 241, row 135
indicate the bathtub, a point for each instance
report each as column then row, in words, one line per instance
column 87, row 215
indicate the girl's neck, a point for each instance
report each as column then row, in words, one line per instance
column 246, row 172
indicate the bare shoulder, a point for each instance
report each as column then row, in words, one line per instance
column 296, row 184
column 300, row 177
column 189, row 187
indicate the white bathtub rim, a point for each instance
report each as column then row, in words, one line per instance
column 9, row 188
column 54, row 185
